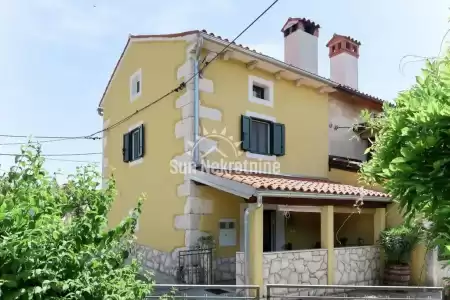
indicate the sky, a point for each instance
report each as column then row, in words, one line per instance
column 56, row 56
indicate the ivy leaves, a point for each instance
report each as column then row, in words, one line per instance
column 54, row 240
column 411, row 155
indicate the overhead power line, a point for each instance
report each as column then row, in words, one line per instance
column 53, row 155
column 183, row 84
column 74, row 161
column 180, row 87
column 50, row 137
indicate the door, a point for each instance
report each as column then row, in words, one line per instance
column 268, row 230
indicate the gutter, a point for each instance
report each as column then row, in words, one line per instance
column 197, row 100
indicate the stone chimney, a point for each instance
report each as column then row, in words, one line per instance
column 344, row 55
column 301, row 44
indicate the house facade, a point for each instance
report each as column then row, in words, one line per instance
column 248, row 155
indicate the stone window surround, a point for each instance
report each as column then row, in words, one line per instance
column 138, row 75
column 266, row 84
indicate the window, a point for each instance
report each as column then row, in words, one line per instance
column 133, row 144
column 262, row 137
column 260, row 91
column 227, row 232
column 135, row 85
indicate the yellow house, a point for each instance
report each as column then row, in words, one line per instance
column 241, row 152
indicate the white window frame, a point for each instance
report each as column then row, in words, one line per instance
column 232, row 231
column 137, row 76
column 268, row 91
column 266, row 118
column 139, row 160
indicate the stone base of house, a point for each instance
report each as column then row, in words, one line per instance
column 152, row 259
column 225, row 269
column 168, row 263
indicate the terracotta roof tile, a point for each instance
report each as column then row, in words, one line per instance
column 296, row 184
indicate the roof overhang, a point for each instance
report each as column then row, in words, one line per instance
column 278, row 68
column 246, row 191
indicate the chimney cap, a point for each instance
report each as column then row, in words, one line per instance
column 298, row 20
column 338, row 36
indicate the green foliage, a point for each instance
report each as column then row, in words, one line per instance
column 54, row 240
column 411, row 154
column 398, row 243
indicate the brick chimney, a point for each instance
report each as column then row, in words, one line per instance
column 344, row 55
column 301, row 44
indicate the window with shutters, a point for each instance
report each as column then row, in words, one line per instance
column 133, row 144
column 135, row 85
column 262, row 136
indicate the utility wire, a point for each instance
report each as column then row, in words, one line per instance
column 51, row 137
column 33, row 142
column 179, row 88
column 183, row 84
column 74, row 161
column 53, row 155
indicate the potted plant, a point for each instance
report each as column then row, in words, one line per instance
column 397, row 244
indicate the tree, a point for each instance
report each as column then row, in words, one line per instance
column 411, row 152
column 54, row 240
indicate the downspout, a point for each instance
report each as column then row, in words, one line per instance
column 247, row 237
column 197, row 100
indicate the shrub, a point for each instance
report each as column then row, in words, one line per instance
column 54, row 240
column 398, row 243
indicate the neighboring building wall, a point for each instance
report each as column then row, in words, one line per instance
column 343, row 141
column 165, row 200
column 357, row 265
column 354, row 226
column 304, row 112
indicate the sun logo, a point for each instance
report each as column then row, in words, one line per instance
column 213, row 139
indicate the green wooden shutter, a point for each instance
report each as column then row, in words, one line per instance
column 278, row 139
column 126, row 150
column 246, row 123
column 142, row 139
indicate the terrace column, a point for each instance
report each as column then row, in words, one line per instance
column 327, row 238
column 379, row 224
column 256, row 247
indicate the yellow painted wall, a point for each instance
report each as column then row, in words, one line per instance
column 302, row 229
column 151, row 177
column 304, row 112
column 353, row 227
column 393, row 218
column 225, row 206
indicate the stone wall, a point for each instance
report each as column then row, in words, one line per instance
column 152, row 259
column 240, row 268
column 290, row 267
column 167, row 263
column 225, row 269
column 357, row 265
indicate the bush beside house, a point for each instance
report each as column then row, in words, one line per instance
column 54, row 240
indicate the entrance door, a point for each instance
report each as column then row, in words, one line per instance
column 268, row 230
